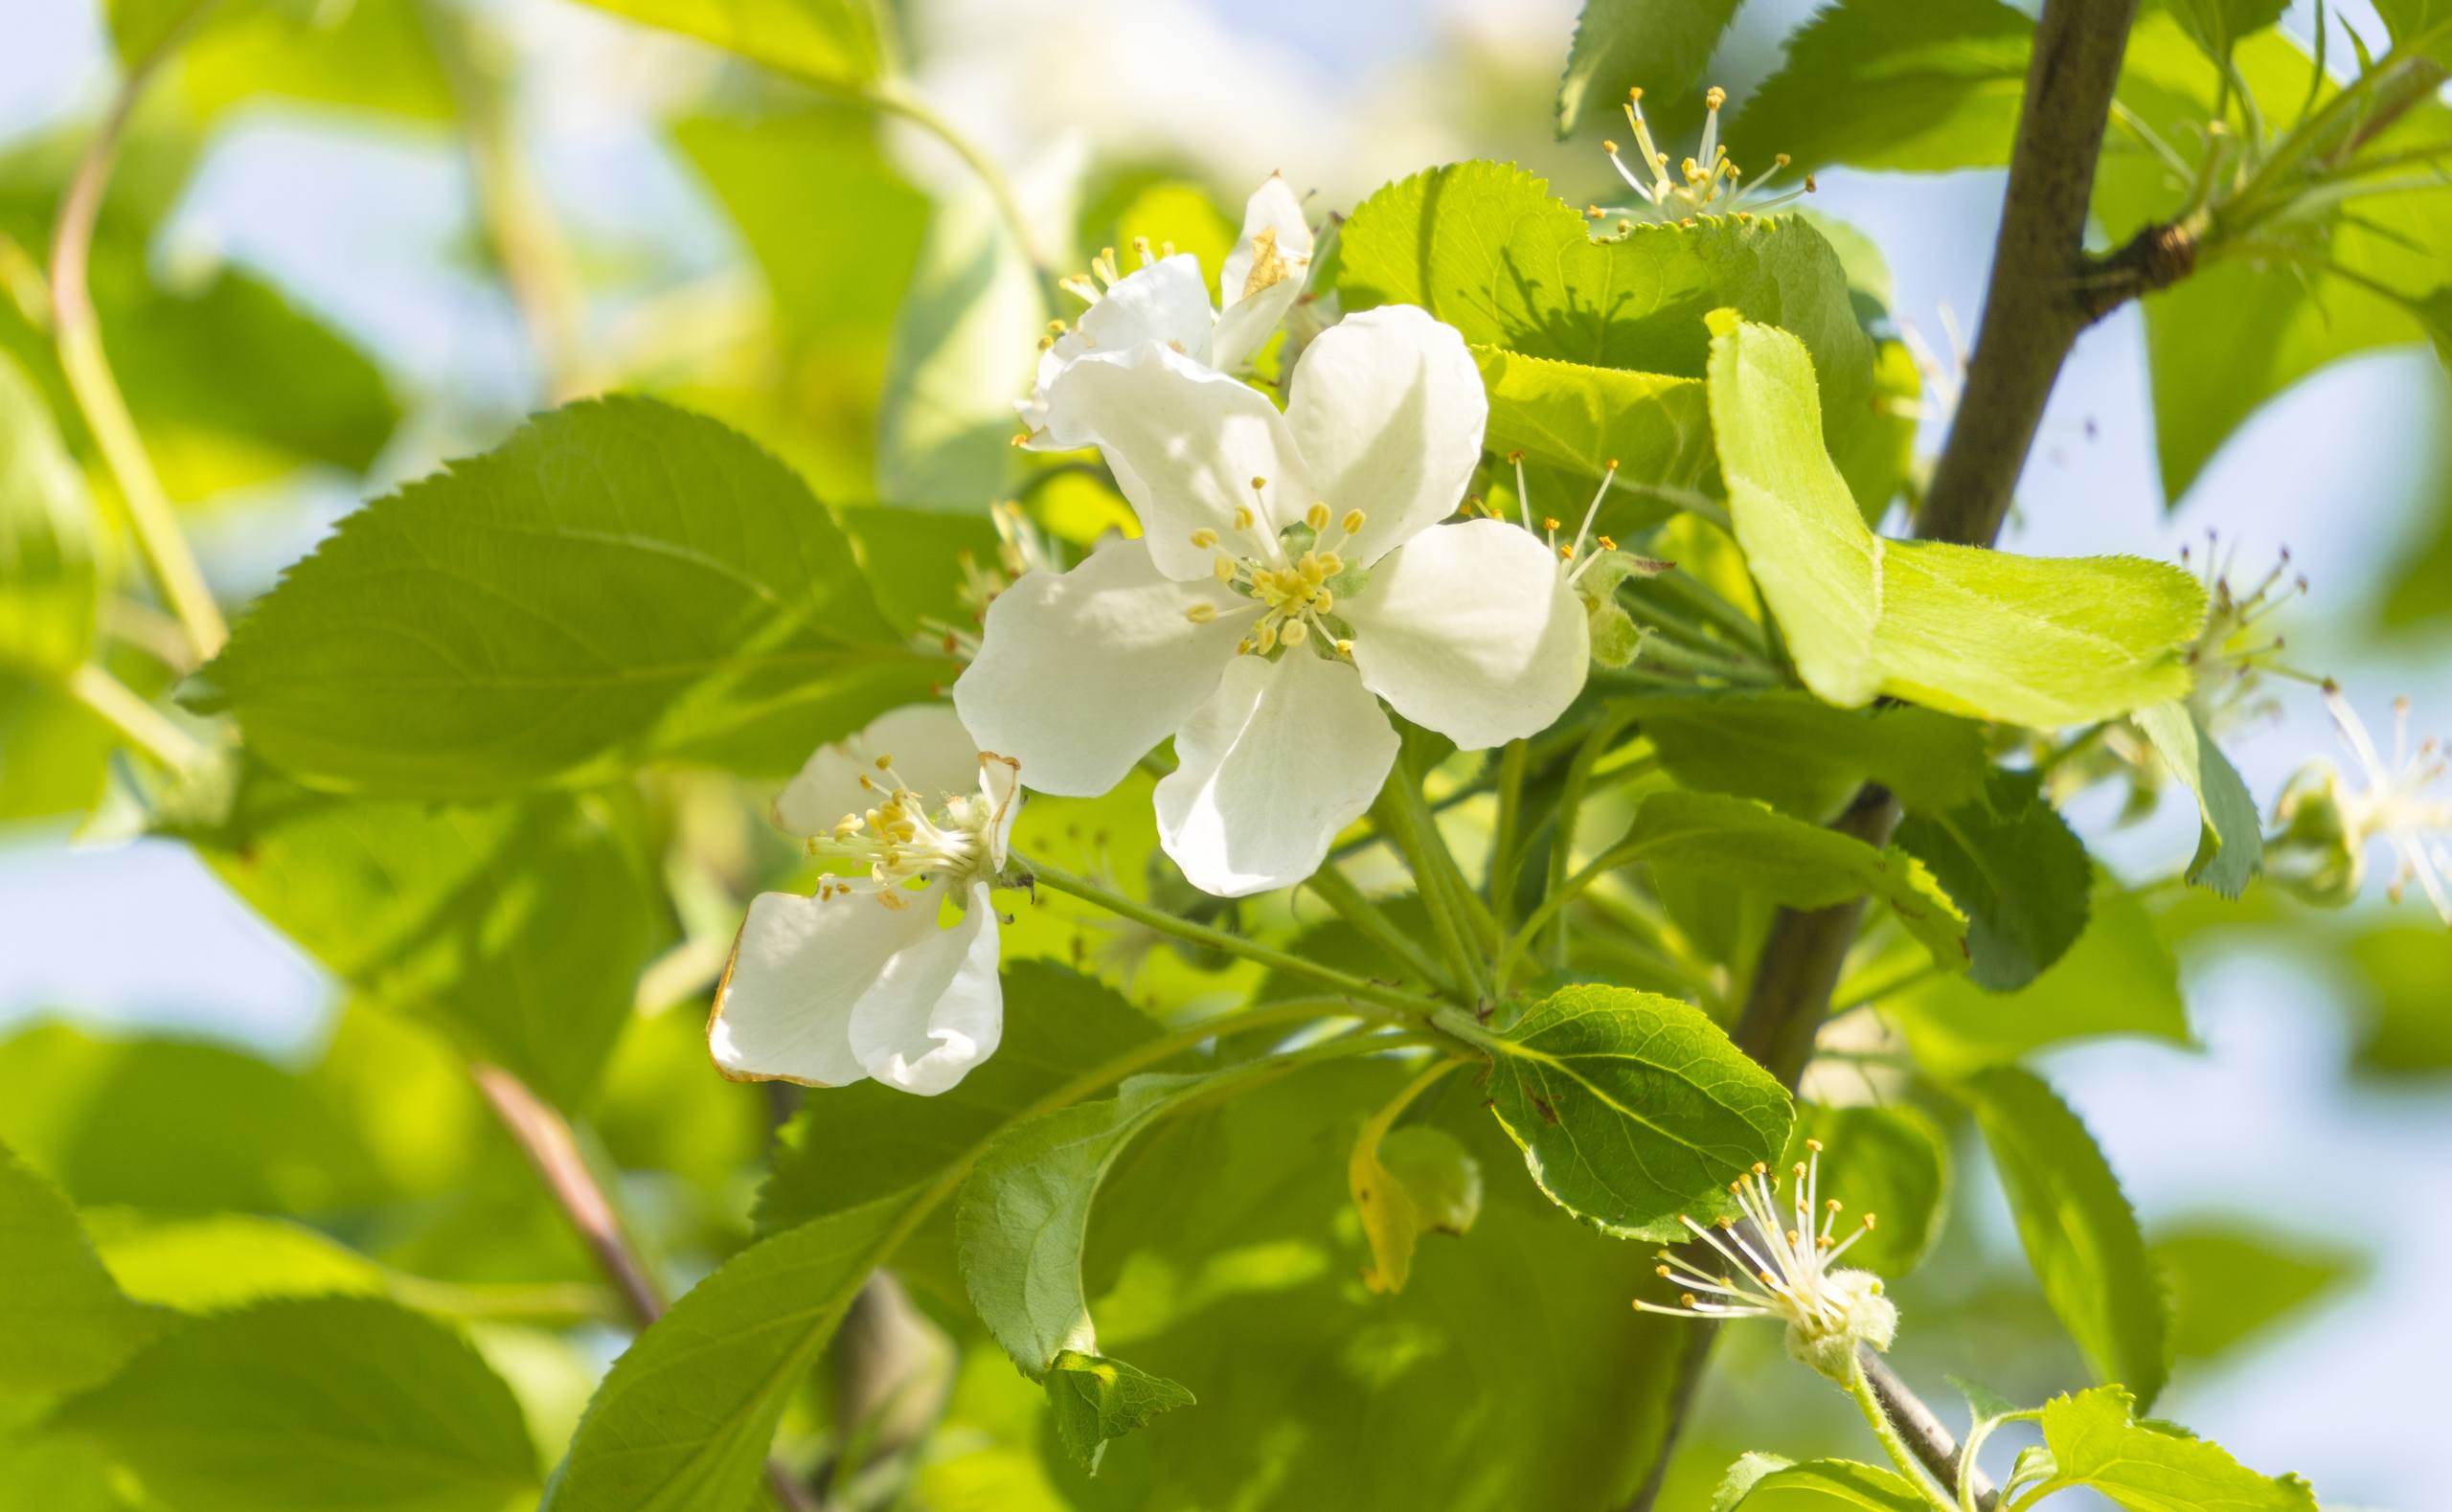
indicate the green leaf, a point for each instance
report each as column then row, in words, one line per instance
column 1094, row 1399
column 1023, row 1217
column 2020, row 875
column 373, row 54
column 1660, row 46
column 1632, row 1108
column 2217, row 25
column 830, row 43
column 916, row 560
column 67, row 1322
column 1408, row 1183
column 2080, row 1232
column 683, row 1420
column 1742, row 1475
column 1741, row 843
column 2146, row 1467
column 2118, row 978
column 2229, row 1282
column 1981, row 633
column 1889, row 1161
column 2262, row 333
column 2230, row 845
column 1487, row 248
column 313, row 1403
column 1803, row 757
column 619, row 581
column 2400, row 970
column 520, row 927
column 1828, row 1485
column 962, row 348
column 49, row 582
column 1917, row 86
column 1576, row 418
column 227, row 1260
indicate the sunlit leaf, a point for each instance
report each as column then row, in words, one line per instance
column 1805, row 756
column 1660, row 46
column 1095, row 1399
column 48, row 582
column 2017, row 870
column 2230, row 845
column 68, row 1324
column 2232, row 1281
column 832, row 43
column 963, row 348
column 1832, row 1485
column 1908, row 85
column 2152, row 1467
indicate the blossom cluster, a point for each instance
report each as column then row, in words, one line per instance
column 1297, row 576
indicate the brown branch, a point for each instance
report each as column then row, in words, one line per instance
column 2043, row 291
column 1933, row 1446
column 545, row 1137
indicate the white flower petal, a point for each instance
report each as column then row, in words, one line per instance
column 1000, row 788
column 1185, row 442
column 1033, row 409
column 931, row 751
column 1388, row 408
column 1162, row 302
column 1280, row 758
column 1254, row 291
column 1079, row 674
column 1276, row 208
column 938, row 1009
column 1471, row 630
column 783, row 1008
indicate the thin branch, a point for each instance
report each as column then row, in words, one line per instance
column 546, row 1139
column 77, row 331
column 1933, row 1445
column 2044, row 291
column 138, row 722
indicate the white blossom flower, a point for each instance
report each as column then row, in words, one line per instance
column 1784, row 1270
column 2321, row 852
column 1163, row 302
column 864, row 980
column 1292, row 567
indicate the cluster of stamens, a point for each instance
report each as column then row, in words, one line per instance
column 1780, row 1270
column 2233, row 651
column 1707, row 183
column 1294, row 593
column 901, row 840
column 1104, row 274
column 1574, row 560
column 2396, row 802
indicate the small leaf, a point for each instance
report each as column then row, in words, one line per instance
column 2080, row 1232
column 1745, row 845
column 228, row 1260
column 2095, row 1442
column 2230, row 845
column 1886, row 1162
column 831, row 43
column 1408, row 1183
column 311, row 1403
column 520, row 927
column 1632, row 1108
column 1741, row 1476
column 67, row 1322
column 49, row 582
column 1488, row 249
column 2230, row 1283
column 2118, row 978
column 1917, row 86
column 1832, row 1485
column 2016, row 869
column 1980, row 1399
column 1986, row 634
column 1657, row 45
column 1803, row 757
column 1094, row 1399
column 619, row 581
column 1568, row 416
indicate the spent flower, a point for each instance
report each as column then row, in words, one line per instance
column 1784, row 1270
column 2327, row 825
column 1706, row 184
column 862, row 979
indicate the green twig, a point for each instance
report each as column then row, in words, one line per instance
column 1338, row 891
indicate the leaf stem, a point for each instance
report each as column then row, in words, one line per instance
column 1570, row 811
column 1338, row 890
column 1404, row 818
column 141, row 724
column 77, row 331
column 1507, row 839
column 1893, row 1444
column 893, row 98
column 1390, row 1001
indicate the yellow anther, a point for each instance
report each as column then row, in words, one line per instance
column 1635, row 94
column 1224, row 568
column 1316, row 516
column 1296, row 633
column 1660, row 1270
column 1264, row 639
column 1869, row 1220
column 1624, row 225
column 1201, row 613
column 1593, row 211
column 1761, row 1169
column 1715, row 97
column 1834, row 1204
column 1605, row 543
column 1258, row 482
column 1242, row 516
column 1330, row 563
column 1056, row 327
column 1045, row 344
column 885, row 763
column 1204, row 538
column 868, row 786
column 1610, row 148
column 1324, row 601
column 1566, row 553
column 1352, row 521
column 1780, row 160
column 1815, row 1146
column 1548, row 522
column 1345, row 648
